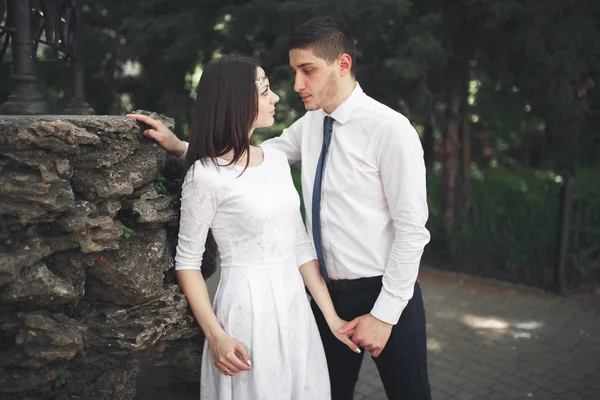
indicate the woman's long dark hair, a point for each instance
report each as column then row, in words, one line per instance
column 226, row 107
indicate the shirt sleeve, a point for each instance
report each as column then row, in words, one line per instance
column 402, row 169
column 290, row 141
column 199, row 203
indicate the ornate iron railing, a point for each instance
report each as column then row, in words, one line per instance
column 25, row 24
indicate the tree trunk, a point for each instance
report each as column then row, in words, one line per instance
column 428, row 134
column 465, row 134
column 526, row 145
column 429, row 144
column 451, row 146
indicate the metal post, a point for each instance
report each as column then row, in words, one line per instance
column 562, row 242
column 25, row 98
column 78, row 105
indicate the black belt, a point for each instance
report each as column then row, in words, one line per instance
column 355, row 285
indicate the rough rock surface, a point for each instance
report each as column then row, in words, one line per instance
column 89, row 307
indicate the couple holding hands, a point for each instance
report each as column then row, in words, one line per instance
column 363, row 181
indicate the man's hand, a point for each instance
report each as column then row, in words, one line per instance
column 369, row 332
column 163, row 135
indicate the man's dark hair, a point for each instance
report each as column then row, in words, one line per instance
column 325, row 37
column 225, row 110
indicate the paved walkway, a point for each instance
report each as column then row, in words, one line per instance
column 494, row 341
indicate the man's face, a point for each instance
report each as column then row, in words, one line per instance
column 316, row 81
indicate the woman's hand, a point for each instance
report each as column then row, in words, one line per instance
column 163, row 135
column 226, row 353
column 335, row 325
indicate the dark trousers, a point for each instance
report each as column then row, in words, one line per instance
column 402, row 364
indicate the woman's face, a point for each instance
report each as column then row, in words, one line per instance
column 266, row 101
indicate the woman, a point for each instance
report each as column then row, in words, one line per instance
column 263, row 342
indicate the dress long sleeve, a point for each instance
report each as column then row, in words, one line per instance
column 305, row 251
column 199, row 203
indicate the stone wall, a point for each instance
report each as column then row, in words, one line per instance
column 89, row 305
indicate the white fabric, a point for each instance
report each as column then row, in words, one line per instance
column 373, row 199
column 260, row 300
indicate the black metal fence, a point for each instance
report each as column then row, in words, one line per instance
column 578, row 260
column 522, row 226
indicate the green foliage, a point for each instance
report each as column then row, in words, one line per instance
column 584, row 241
column 512, row 224
column 159, row 185
column 128, row 232
column 61, row 381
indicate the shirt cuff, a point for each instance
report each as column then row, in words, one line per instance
column 182, row 158
column 387, row 308
column 304, row 254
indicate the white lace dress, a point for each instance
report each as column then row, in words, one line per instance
column 260, row 300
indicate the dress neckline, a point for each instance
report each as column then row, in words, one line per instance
column 242, row 165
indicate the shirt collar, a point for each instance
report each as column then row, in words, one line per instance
column 342, row 113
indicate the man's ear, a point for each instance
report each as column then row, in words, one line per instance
column 345, row 63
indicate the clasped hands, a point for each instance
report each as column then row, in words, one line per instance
column 368, row 332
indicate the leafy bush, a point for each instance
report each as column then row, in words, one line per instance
column 511, row 229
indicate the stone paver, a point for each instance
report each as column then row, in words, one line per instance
column 490, row 340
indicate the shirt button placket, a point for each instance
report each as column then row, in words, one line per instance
column 325, row 236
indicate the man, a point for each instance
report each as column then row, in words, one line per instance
column 363, row 181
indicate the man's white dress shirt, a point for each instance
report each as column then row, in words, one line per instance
column 373, row 199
